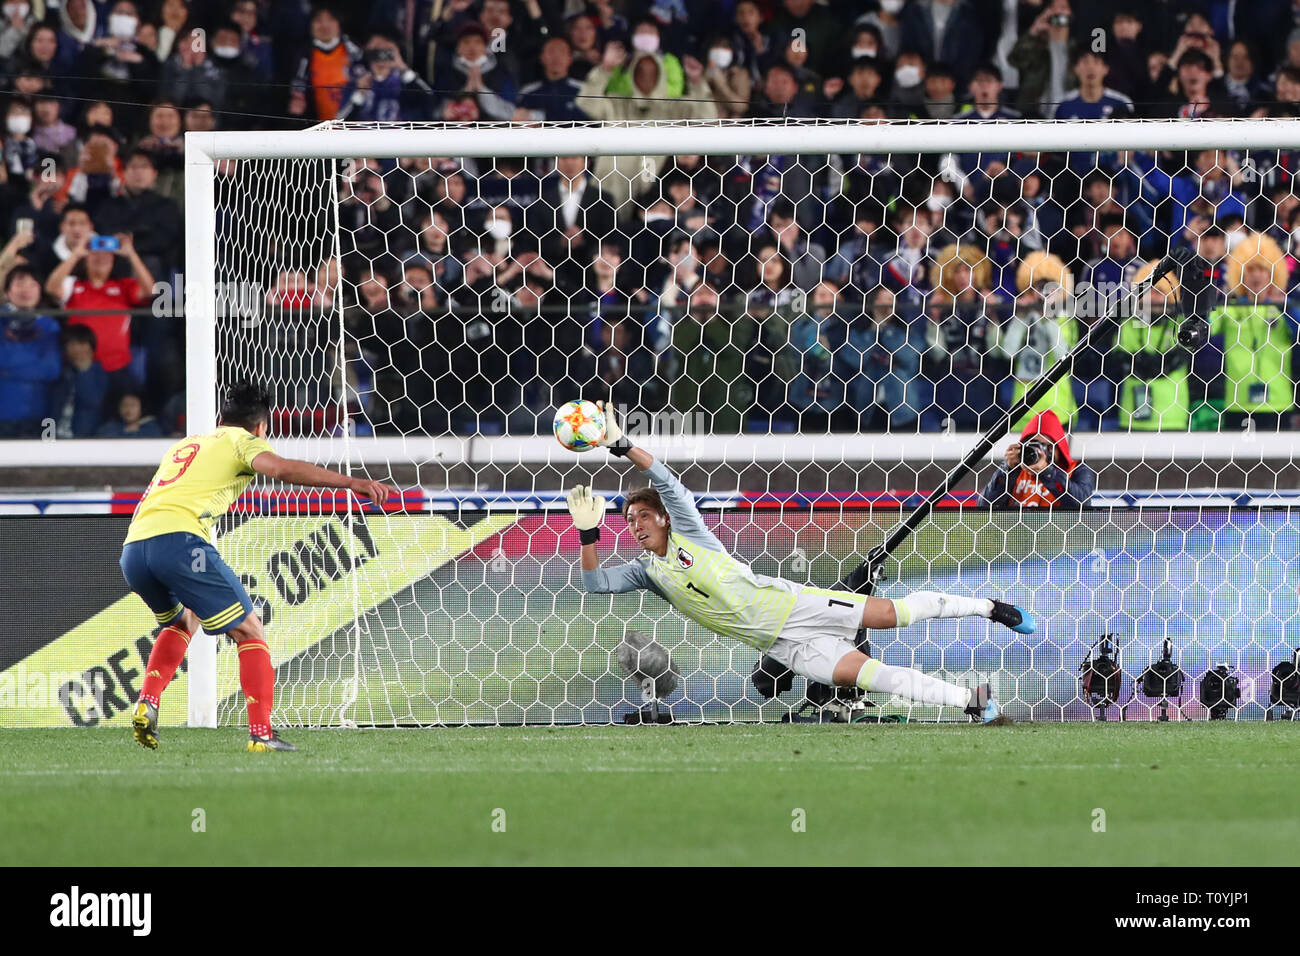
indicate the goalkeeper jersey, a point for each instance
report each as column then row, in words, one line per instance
column 699, row 578
column 199, row 479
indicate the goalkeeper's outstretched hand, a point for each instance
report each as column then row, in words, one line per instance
column 614, row 438
column 588, row 511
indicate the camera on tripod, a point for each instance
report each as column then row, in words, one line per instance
column 1284, row 688
column 1163, row 679
column 1220, row 691
column 1102, row 675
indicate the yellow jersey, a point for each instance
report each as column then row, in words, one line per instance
column 199, row 479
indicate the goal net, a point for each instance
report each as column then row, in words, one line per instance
column 811, row 323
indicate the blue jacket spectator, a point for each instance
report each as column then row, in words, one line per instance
column 878, row 357
column 554, row 96
column 387, row 90
column 29, row 358
column 130, row 421
column 815, row 388
column 1213, row 185
column 78, row 406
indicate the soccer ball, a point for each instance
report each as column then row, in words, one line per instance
column 579, row 425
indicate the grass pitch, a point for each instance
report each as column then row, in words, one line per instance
column 1178, row 793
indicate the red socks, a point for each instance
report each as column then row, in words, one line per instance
column 257, row 678
column 256, row 675
column 167, row 654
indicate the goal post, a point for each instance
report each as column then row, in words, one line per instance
column 464, row 608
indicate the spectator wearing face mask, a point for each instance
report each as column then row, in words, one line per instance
column 649, row 101
column 885, row 20
column 907, row 93
column 647, row 42
column 122, row 68
column 865, row 47
column 20, row 150
column 475, row 70
column 729, row 82
column 325, row 70
column 189, row 74
column 244, row 84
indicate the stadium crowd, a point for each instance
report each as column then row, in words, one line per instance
column 761, row 293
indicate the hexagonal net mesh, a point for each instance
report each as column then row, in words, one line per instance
column 811, row 342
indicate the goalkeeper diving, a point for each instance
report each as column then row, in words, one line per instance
column 810, row 630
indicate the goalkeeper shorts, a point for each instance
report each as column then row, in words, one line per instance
column 818, row 633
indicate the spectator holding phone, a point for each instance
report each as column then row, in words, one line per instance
column 1040, row 472
column 14, row 252
column 95, row 287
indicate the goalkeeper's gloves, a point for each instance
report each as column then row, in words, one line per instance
column 588, row 512
column 614, row 439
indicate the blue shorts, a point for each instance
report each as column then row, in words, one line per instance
column 172, row 572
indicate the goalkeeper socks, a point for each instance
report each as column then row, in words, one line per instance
column 167, row 654
column 925, row 605
column 257, row 678
column 906, row 682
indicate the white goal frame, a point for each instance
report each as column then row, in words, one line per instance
column 342, row 141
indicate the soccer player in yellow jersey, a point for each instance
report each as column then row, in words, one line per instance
column 810, row 630
column 168, row 558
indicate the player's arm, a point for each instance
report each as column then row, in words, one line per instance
column 676, row 497
column 588, row 512
column 296, row 472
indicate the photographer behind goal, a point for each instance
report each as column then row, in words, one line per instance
column 1039, row 471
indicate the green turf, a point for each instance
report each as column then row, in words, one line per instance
column 1177, row 793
